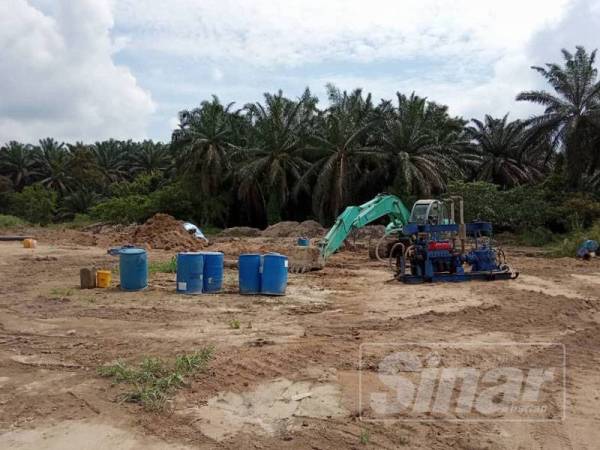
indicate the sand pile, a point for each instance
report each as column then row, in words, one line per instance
column 164, row 232
column 308, row 228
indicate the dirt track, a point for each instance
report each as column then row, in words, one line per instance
column 53, row 336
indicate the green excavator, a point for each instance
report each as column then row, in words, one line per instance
column 426, row 211
column 355, row 217
column 426, row 245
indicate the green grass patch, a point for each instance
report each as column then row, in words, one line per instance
column 234, row 324
column 61, row 292
column 79, row 221
column 163, row 266
column 210, row 230
column 568, row 245
column 537, row 237
column 154, row 380
column 365, row 437
column 8, row 221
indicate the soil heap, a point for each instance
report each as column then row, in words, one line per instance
column 162, row 231
column 308, row 228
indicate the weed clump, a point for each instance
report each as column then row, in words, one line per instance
column 163, row 266
column 154, row 380
column 570, row 243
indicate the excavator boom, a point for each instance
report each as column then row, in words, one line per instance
column 355, row 217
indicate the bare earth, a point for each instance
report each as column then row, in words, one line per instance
column 288, row 377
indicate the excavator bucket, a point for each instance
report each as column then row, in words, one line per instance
column 304, row 259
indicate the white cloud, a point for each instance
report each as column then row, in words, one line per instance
column 477, row 53
column 473, row 96
column 217, row 74
column 267, row 32
column 58, row 78
column 579, row 25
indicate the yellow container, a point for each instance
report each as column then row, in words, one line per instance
column 103, row 278
column 29, row 243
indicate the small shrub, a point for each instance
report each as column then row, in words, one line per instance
column 8, row 221
column 481, row 200
column 77, row 203
column 234, row 324
column 143, row 184
column 35, row 204
column 537, row 237
column 79, row 221
column 568, row 245
column 130, row 209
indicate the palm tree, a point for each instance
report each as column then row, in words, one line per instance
column 339, row 147
column 359, row 108
column 110, row 160
column 424, row 146
column 572, row 113
column 149, row 157
column 77, row 202
column 203, row 143
column 274, row 163
column 18, row 162
column 54, row 161
column 502, row 146
column 83, row 167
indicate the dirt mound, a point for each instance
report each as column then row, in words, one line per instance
column 308, row 228
column 311, row 229
column 370, row 232
column 240, row 232
column 281, row 229
column 162, row 231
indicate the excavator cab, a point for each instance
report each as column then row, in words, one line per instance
column 429, row 212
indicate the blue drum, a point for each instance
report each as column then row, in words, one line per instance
column 249, row 266
column 190, row 272
column 275, row 274
column 133, row 269
column 213, row 271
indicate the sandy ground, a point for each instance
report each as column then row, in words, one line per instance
column 288, row 377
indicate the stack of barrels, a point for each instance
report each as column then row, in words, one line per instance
column 202, row 272
column 199, row 272
column 263, row 274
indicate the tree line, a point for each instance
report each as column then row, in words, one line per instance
column 284, row 158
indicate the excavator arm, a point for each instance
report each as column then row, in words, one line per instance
column 355, row 217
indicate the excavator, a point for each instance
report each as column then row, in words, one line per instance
column 427, row 243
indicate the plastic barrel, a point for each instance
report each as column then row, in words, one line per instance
column 303, row 242
column 274, row 274
column 29, row 243
column 133, row 269
column 249, row 266
column 190, row 272
column 103, row 278
column 213, row 271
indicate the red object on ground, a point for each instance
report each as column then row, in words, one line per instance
column 440, row 246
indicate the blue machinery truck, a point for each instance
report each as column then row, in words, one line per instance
column 429, row 243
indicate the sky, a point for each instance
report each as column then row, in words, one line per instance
column 87, row 70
